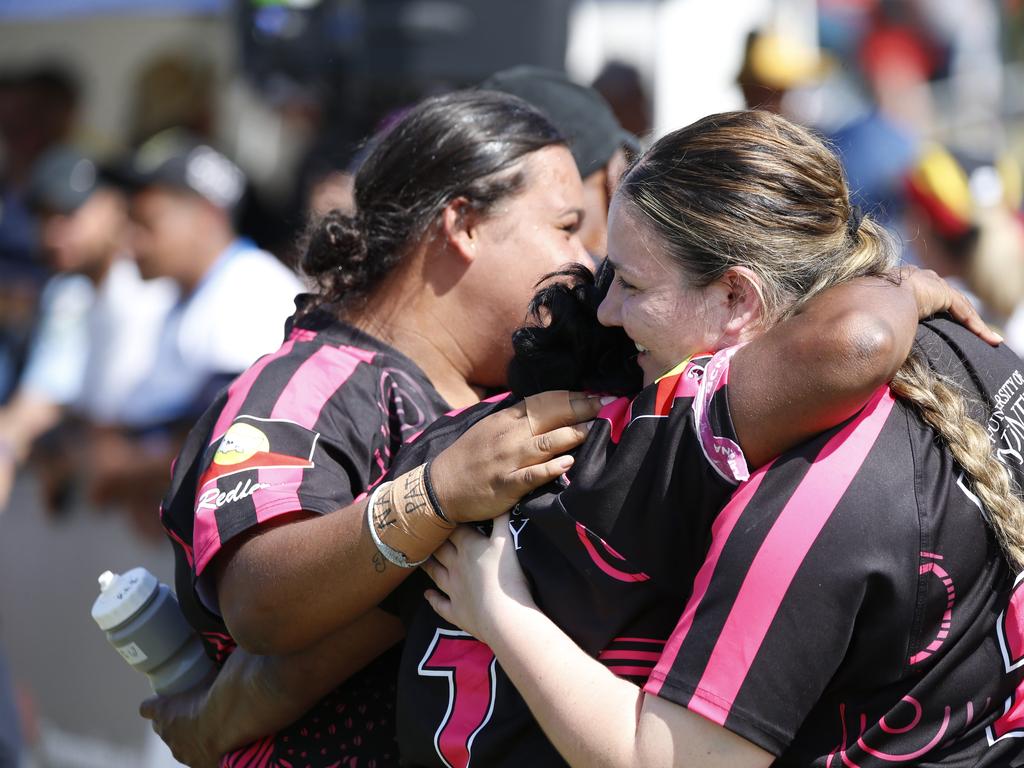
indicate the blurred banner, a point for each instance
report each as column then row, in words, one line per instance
column 36, row 10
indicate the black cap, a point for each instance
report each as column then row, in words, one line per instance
column 581, row 114
column 177, row 159
column 61, row 180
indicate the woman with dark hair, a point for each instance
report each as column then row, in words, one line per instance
column 460, row 209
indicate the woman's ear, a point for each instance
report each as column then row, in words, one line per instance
column 459, row 221
column 745, row 302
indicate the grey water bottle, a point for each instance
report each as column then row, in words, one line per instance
column 144, row 623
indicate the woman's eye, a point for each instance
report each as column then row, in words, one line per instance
column 623, row 284
column 570, row 227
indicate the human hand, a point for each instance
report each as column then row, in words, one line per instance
column 510, row 453
column 178, row 720
column 934, row 295
column 480, row 576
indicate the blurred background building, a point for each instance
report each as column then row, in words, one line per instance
column 924, row 100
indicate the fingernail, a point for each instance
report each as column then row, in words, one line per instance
column 999, row 339
column 565, row 462
column 588, row 425
column 608, row 399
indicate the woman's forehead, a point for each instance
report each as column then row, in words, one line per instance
column 633, row 245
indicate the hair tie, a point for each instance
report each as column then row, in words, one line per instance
column 853, row 222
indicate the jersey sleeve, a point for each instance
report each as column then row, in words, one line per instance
column 776, row 599
column 311, row 447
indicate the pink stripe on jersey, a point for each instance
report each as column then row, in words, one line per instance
column 312, row 385
column 782, row 553
column 302, row 400
column 618, row 414
column 240, row 387
column 721, row 529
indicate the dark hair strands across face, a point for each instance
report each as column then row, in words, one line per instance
column 465, row 144
column 566, row 347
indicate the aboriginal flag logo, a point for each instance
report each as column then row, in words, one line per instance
column 253, row 443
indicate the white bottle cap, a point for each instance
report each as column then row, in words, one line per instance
column 122, row 596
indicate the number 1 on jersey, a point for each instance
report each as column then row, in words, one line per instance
column 469, row 666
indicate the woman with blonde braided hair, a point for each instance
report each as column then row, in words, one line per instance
column 855, row 602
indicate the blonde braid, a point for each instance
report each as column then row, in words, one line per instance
column 940, row 404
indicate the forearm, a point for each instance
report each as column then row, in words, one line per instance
column 254, row 696
column 24, row 419
column 297, row 583
column 588, row 713
column 595, row 719
column 297, row 580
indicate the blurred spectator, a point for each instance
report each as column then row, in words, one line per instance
column 964, row 219
column 621, row 86
column 41, row 112
column 234, row 300
column 174, row 89
column 38, row 109
column 879, row 147
column 773, row 65
column 99, row 321
column 597, row 141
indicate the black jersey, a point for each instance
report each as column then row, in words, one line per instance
column 308, row 428
column 854, row 608
column 846, row 606
column 611, row 552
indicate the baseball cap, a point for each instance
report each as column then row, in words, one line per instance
column 61, row 180
column 177, row 159
column 579, row 113
column 781, row 62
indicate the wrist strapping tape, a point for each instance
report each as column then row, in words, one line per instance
column 403, row 522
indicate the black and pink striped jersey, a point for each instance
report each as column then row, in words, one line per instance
column 854, row 608
column 612, row 552
column 844, row 606
column 309, row 428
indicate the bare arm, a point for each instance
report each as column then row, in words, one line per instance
column 592, row 717
column 819, row 367
column 291, row 584
column 255, row 696
column 24, row 419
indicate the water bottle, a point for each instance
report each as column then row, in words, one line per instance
column 144, row 623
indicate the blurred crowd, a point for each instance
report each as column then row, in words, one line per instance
column 112, row 262
column 134, row 284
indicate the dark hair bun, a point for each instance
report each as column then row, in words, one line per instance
column 336, row 250
column 449, row 146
